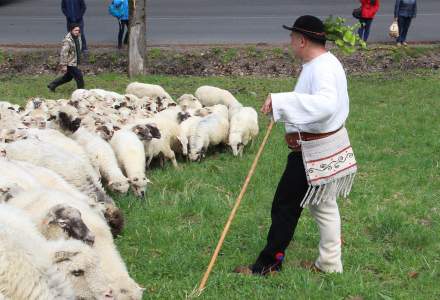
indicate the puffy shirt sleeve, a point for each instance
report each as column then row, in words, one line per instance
column 297, row 108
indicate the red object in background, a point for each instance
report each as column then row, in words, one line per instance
column 368, row 10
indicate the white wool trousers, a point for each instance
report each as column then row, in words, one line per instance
column 285, row 213
column 326, row 215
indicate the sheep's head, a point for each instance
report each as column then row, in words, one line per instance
column 82, row 268
column 126, row 288
column 68, row 118
column 80, row 94
column 139, row 185
column 203, row 112
column 189, row 101
column 11, row 135
column 68, row 220
column 10, row 106
column 114, row 218
column 196, row 155
column 149, row 105
column 106, row 131
column 119, row 186
column 164, row 102
column 8, row 190
column 35, row 122
column 142, row 132
column 236, row 143
column 147, row 132
column 37, row 102
column 182, row 116
column 155, row 133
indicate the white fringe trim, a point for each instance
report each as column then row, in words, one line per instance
column 320, row 193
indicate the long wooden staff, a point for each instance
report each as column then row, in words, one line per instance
column 234, row 210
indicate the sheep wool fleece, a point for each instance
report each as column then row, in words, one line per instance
column 319, row 104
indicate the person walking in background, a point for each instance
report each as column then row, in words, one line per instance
column 119, row 10
column 70, row 58
column 404, row 11
column 74, row 11
column 369, row 9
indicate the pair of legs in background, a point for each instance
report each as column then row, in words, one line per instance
column 123, row 24
column 364, row 30
column 286, row 211
column 71, row 73
column 404, row 23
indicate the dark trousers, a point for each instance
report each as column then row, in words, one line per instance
column 364, row 30
column 83, row 35
column 122, row 25
column 404, row 23
column 286, row 211
column 72, row 73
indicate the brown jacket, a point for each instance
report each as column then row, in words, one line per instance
column 68, row 56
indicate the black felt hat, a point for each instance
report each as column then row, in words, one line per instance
column 309, row 26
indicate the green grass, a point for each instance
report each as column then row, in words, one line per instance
column 390, row 223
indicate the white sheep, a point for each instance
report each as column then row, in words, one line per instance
column 58, row 139
column 185, row 130
column 10, row 119
column 242, row 129
column 49, row 179
column 16, row 177
column 189, row 101
column 147, row 90
column 26, row 272
column 79, row 95
column 102, row 155
column 168, row 126
column 10, row 106
column 210, row 95
column 210, row 131
column 72, row 168
column 83, row 269
column 111, row 262
column 130, row 154
column 60, row 265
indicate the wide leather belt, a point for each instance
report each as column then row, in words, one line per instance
column 292, row 139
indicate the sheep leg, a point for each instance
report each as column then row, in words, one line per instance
column 161, row 160
column 150, row 158
column 171, row 156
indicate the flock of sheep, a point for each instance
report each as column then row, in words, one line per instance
column 57, row 223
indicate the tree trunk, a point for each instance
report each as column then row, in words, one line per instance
column 137, row 43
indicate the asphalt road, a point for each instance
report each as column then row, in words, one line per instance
column 201, row 21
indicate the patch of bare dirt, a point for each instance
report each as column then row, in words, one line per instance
column 220, row 60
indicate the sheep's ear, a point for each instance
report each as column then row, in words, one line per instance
column 155, row 132
column 61, row 256
column 50, row 217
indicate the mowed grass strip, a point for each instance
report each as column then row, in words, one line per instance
column 390, row 223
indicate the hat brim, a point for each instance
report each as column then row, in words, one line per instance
column 308, row 34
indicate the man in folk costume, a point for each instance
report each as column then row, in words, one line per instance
column 321, row 166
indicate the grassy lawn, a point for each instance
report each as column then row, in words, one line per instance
column 390, row 223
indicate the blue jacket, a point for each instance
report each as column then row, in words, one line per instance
column 405, row 8
column 124, row 4
column 73, row 10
